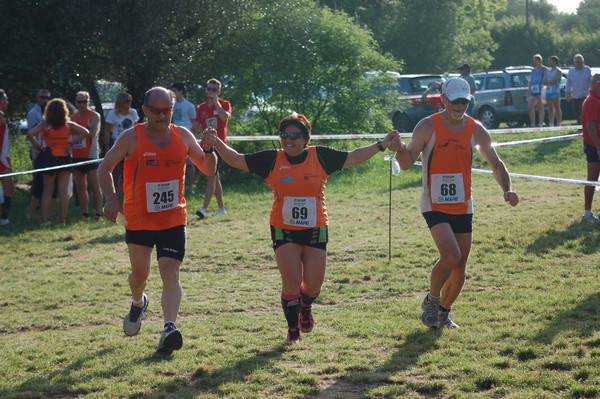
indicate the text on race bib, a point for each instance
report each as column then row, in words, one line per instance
column 162, row 196
column 300, row 211
column 80, row 144
column 447, row 188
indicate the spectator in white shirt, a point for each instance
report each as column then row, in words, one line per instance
column 578, row 85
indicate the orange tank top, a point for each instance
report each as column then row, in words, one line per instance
column 299, row 192
column 154, row 183
column 447, row 161
column 58, row 140
column 82, row 149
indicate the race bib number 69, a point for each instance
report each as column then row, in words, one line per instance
column 162, row 196
column 300, row 211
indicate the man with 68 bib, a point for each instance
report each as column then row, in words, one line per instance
column 447, row 142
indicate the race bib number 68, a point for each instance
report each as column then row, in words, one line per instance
column 447, row 188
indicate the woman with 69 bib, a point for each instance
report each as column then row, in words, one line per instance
column 297, row 174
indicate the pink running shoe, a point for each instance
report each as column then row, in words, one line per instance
column 293, row 337
column 306, row 319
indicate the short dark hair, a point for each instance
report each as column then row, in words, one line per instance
column 298, row 120
column 178, row 86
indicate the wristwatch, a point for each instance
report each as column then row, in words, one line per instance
column 380, row 147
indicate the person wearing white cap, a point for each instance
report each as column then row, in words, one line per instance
column 447, row 142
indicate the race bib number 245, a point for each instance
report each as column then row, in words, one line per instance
column 162, row 196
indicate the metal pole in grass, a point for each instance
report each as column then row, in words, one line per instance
column 394, row 170
column 390, row 217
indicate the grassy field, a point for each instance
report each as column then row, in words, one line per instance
column 530, row 326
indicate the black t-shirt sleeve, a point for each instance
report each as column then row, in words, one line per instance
column 261, row 163
column 331, row 159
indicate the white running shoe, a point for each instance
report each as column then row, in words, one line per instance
column 133, row 321
column 445, row 320
column 220, row 212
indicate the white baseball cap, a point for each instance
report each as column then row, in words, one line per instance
column 455, row 88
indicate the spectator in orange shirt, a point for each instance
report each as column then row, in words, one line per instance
column 57, row 134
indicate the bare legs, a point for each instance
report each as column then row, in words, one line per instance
column 533, row 101
column 448, row 274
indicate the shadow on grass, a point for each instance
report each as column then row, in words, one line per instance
column 106, row 239
column 587, row 235
column 356, row 384
column 206, row 381
column 583, row 320
column 59, row 382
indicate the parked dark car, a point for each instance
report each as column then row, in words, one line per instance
column 411, row 87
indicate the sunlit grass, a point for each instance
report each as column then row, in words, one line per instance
column 528, row 312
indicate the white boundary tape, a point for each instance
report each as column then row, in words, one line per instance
column 27, row 172
column 406, row 135
column 542, row 140
column 382, row 135
column 534, row 177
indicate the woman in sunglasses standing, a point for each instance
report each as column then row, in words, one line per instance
column 447, row 142
column 119, row 119
column 297, row 175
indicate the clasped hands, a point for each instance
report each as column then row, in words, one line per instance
column 208, row 139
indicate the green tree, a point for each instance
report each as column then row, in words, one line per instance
column 313, row 59
column 517, row 43
column 69, row 45
column 304, row 58
column 587, row 15
column 427, row 35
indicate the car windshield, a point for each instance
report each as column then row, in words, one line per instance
column 419, row 85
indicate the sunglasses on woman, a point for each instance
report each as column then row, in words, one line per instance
column 291, row 136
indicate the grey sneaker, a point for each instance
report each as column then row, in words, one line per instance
column 445, row 320
column 133, row 321
column 170, row 340
column 201, row 213
column 591, row 219
column 430, row 308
